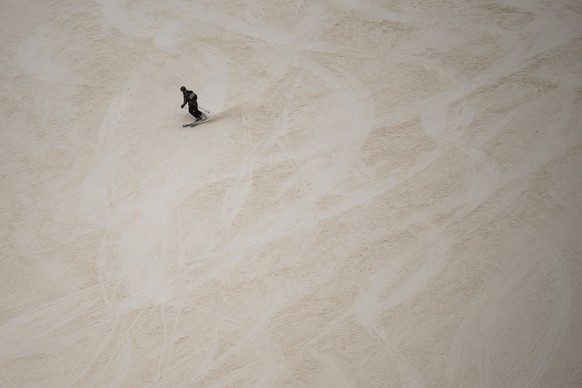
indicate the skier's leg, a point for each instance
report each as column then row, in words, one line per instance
column 194, row 111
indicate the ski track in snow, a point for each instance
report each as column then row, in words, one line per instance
column 37, row 57
column 385, row 196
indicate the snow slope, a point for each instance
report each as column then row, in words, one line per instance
column 388, row 196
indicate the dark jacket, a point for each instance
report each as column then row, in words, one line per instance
column 190, row 97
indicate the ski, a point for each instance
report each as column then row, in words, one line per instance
column 197, row 122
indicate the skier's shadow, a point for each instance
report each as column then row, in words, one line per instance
column 222, row 115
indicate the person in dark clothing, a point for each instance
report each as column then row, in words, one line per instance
column 191, row 99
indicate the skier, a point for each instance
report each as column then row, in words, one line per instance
column 191, row 99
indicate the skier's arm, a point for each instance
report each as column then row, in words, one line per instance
column 185, row 100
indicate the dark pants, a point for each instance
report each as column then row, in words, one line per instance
column 193, row 109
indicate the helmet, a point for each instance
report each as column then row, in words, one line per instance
column 182, row 88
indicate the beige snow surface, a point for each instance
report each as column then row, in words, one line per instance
column 389, row 194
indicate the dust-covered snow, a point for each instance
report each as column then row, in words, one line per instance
column 388, row 195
